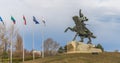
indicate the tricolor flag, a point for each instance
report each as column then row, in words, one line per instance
column 24, row 20
column 34, row 19
column 43, row 20
column 1, row 19
column 12, row 18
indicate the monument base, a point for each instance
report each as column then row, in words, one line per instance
column 80, row 47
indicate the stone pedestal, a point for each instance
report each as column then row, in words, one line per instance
column 80, row 47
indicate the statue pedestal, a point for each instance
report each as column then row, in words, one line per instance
column 80, row 47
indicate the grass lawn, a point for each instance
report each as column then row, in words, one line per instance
column 80, row 58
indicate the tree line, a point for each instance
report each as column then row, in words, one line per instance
column 11, row 33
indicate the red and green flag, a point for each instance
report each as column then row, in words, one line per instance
column 12, row 18
column 24, row 20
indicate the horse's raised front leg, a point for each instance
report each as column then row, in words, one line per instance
column 67, row 29
column 72, row 29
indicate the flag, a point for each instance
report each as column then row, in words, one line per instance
column 24, row 20
column 1, row 19
column 12, row 18
column 34, row 19
column 43, row 20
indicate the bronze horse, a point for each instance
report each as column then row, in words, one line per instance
column 81, row 29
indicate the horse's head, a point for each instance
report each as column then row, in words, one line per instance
column 83, row 19
column 77, row 19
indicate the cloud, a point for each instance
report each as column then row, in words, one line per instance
column 103, row 16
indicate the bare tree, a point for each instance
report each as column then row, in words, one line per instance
column 18, row 46
column 19, row 43
column 6, row 34
column 3, row 39
column 50, row 47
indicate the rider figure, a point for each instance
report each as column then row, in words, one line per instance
column 82, row 19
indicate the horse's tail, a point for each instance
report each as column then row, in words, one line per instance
column 93, row 36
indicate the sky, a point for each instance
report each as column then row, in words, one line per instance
column 103, row 15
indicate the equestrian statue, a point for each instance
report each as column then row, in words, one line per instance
column 80, row 28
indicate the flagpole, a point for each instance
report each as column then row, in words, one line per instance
column 33, row 44
column 23, row 47
column 11, row 39
column 43, row 20
column 42, row 44
column 43, row 41
column 11, row 49
column 24, row 37
column 36, row 22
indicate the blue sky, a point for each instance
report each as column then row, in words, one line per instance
column 103, row 15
